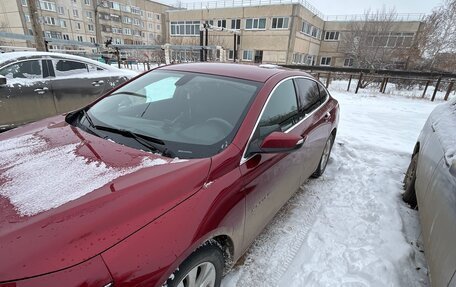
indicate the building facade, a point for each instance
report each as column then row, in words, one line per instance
column 291, row 33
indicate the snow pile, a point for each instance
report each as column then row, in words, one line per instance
column 349, row 227
column 444, row 123
column 36, row 179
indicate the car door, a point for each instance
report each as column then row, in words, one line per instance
column 314, row 124
column 271, row 179
column 27, row 94
column 439, row 228
column 76, row 84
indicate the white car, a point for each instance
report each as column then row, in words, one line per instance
column 430, row 185
column 36, row 85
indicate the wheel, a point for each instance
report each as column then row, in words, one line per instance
column 324, row 157
column 409, row 195
column 204, row 268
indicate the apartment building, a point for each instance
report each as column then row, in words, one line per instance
column 131, row 22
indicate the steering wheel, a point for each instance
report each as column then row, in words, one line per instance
column 227, row 127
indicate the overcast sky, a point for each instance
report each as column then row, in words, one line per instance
column 334, row 7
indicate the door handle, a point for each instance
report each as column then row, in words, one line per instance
column 41, row 91
column 97, row 83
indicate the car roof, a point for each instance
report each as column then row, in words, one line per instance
column 242, row 71
column 14, row 56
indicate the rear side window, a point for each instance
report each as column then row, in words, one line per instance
column 23, row 70
column 309, row 95
column 69, row 68
column 282, row 107
column 323, row 93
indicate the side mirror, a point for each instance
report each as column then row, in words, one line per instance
column 2, row 80
column 453, row 168
column 277, row 142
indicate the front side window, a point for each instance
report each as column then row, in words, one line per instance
column 282, row 107
column 191, row 115
column 69, row 68
column 23, row 70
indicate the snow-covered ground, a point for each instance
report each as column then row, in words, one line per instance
column 349, row 227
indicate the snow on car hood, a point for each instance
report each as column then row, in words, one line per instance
column 444, row 122
column 74, row 195
column 23, row 160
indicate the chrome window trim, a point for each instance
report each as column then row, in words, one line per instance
column 244, row 159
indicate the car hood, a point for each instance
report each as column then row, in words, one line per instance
column 66, row 195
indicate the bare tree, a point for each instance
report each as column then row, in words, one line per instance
column 438, row 36
column 36, row 26
column 366, row 40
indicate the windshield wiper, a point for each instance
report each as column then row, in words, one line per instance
column 86, row 115
column 146, row 141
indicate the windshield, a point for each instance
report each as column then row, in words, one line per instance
column 192, row 115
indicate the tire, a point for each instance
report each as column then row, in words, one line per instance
column 324, row 157
column 409, row 195
column 205, row 266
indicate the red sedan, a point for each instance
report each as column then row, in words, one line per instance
column 166, row 180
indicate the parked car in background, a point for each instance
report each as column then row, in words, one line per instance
column 166, row 180
column 36, row 85
column 430, row 185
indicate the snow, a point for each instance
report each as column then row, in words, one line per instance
column 444, row 123
column 23, row 159
column 350, row 226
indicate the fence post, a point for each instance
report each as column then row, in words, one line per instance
column 359, row 82
column 384, row 85
column 328, row 79
column 450, row 87
column 436, row 88
column 349, row 83
column 425, row 88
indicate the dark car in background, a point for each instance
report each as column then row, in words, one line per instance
column 430, row 185
column 36, row 85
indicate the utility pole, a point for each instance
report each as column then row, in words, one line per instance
column 96, row 5
column 36, row 26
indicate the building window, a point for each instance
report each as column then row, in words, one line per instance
column 247, row 55
column 348, row 63
column 279, row 23
column 136, row 22
column 78, row 26
column 80, row 39
column 127, row 31
column 221, row 23
column 90, row 27
column 114, row 5
column 66, row 37
column 332, row 36
column 87, row 2
column 236, row 24
column 49, row 20
column 255, row 23
column 126, row 20
column 135, row 10
column 61, row 10
column 310, row 30
column 89, row 14
column 158, row 27
column 27, row 18
column 48, row 6
column 158, row 16
column 63, row 23
column 24, row 2
column 182, row 28
column 230, row 54
column 125, row 8
column 76, row 13
column 150, row 15
column 325, row 61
